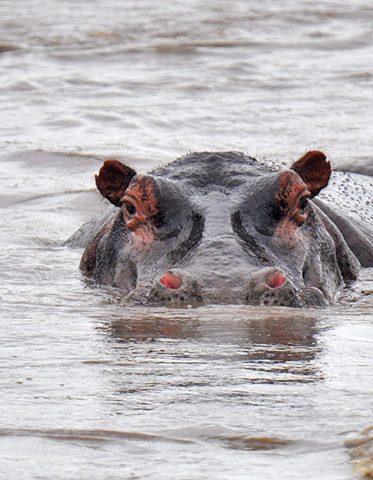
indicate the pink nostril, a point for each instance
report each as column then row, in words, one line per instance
column 170, row 280
column 276, row 279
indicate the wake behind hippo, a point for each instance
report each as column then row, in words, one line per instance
column 224, row 228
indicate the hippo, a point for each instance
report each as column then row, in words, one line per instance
column 225, row 228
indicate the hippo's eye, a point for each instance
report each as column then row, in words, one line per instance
column 303, row 203
column 130, row 208
column 301, row 212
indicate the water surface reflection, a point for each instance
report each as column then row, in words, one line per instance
column 225, row 350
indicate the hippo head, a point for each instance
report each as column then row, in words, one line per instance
column 220, row 228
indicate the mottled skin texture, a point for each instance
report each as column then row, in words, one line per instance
column 224, row 228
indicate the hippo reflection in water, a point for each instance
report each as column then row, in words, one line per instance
column 224, row 228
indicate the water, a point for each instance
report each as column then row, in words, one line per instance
column 90, row 389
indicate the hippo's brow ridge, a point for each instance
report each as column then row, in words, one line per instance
column 191, row 242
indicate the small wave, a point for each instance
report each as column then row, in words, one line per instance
column 46, row 157
column 366, row 75
column 174, row 49
column 249, row 442
column 8, row 47
column 87, row 435
column 191, row 47
column 50, row 195
column 314, row 43
column 21, row 86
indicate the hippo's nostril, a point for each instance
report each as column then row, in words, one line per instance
column 275, row 279
column 170, row 280
column 176, row 288
column 270, row 286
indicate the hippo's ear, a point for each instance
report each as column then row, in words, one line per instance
column 314, row 169
column 113, row 179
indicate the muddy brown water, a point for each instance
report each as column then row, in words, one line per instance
column 91, row 389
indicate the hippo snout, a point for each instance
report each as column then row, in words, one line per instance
column 268, row 286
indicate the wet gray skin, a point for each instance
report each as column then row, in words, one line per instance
column 223, row 228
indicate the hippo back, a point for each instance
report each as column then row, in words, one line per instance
column 347, row 201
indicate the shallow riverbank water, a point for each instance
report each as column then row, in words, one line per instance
column 91, row 389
